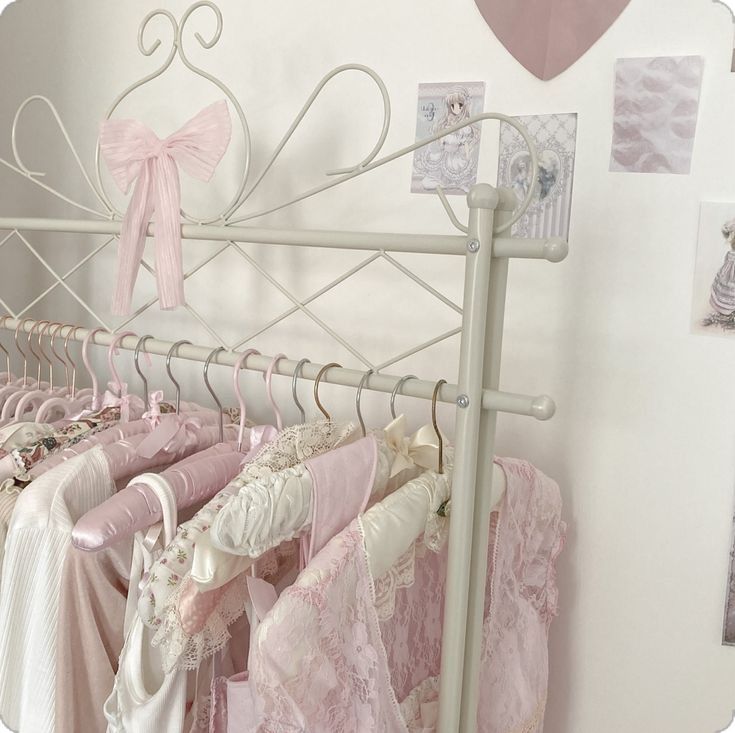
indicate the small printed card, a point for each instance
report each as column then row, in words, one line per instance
column 713, row 294
column 656, row 110
column 449, row 163
column 555, row 137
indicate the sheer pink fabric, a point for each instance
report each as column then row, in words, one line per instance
column 134, row 153
column 328, row 659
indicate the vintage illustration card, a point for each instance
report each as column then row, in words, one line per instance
column 451, row 161
column 555, row 137
column 713, row 296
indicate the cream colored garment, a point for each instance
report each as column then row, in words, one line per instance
column 39, row 538
column 265, row 512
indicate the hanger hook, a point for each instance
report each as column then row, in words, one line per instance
column 18, row 329
column 89, row 338
column 42, row 332
column 61, row 359
column 268, row 375
column 358, row 396
column 239, row 364
column 396, row 390
column 434, row 397
column 213, row 393
column 35, row 326
column 296, row 372
column 8, row 380
column 136, row 357
column 111, row 351
column 72, row 330
column 318, row 379
column 175, row 347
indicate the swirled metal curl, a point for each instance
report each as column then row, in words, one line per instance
column 302, row 113
column 31, row 175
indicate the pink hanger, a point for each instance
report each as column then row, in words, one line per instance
column 22, row 384
column 114, row 349
column 8, row 377
column 193, row 480
column 28, row 405
column 74, row 401
column 240, row 399
column 7, row 415
column 269, row 389
column 96, row 397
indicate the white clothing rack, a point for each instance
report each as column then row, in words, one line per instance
column 476, row 394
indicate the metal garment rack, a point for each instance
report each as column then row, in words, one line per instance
column 486, row 250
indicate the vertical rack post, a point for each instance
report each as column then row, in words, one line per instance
column 484, row 495
column 482, row 200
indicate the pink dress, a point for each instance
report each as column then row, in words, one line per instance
column 341, row 652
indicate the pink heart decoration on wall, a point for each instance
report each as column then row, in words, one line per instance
column 548, row 36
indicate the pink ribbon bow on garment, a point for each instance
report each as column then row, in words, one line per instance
column 153, row 414
column 133, row 151
column 124, row 400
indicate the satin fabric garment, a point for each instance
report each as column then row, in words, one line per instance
column 193, row 481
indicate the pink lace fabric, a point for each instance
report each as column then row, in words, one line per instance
column 168, row 586
column 327, row 660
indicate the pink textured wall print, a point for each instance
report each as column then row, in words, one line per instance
column 656, row 108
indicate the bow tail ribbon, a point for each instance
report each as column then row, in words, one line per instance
column 134, row 153
column 169, row 265
column 132, row 241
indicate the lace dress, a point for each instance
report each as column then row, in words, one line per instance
column 341, row 652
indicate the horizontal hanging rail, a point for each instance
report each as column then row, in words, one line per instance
column 552, row 249
column 541, row 407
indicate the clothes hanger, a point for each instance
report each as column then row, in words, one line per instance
column 211, row 391
column 358, row 395
column 136, row 362
column 296, row 372
column 29, row 405
column 268, row 376
column 175, row 347
column 83, row 402
column 193, row 480
column 434, row 396
column 76, row 393
column 318, row 379
column 292, row 501
column 7, row 376
column 395, row 391
column 66, row 390
column 236, row 383
column 13, row 396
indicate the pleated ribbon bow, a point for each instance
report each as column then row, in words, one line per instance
column 133, row 152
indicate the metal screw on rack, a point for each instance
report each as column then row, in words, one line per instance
column 473, row 245
column 463, row 401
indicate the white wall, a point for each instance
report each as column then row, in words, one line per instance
column 642, row 442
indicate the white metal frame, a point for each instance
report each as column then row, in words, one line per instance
column 492, row 212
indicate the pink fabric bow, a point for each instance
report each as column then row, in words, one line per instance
column 170, row 435
column 153, row 415
column 132, row 151
column 124, row 401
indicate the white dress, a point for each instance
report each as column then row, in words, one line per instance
column 39, row 537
